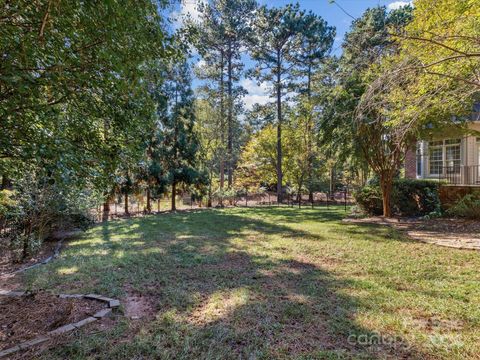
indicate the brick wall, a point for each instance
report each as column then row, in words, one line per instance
column 411, row 164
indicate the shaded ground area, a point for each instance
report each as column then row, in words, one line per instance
column 12, row 263
column 271, row 282
column 456, row 233
column 24, row 318
column 8, row 263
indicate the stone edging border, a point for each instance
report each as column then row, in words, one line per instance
column 56, row 253
column 112, row 304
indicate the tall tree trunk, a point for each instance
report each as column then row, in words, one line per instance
column 222, row 129
column 230, row 118
column 5, row 182
column 174, row 190
column 309, row 137
column 209, row 195
column 222, row 176
column 26, row 239
column 386, row 184
column 149, row 204
column 279, row 130
column 126, row 204
column 332, row 182
column 299, row 193
column 106, row 208
column 106, row 205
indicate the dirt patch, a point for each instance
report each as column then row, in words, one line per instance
column 138, row 306
column 26, row 317
column 457, row 233
column 437, row 324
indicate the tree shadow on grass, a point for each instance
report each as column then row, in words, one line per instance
column 222, row 290
column 376, row 232
column 306, row 213
column 278, row 309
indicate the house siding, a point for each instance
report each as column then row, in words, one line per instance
column 469, row 156
column 472, row 149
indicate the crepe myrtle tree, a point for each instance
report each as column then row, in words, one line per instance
column 384, row 132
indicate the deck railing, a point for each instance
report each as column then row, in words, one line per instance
column 460, row 175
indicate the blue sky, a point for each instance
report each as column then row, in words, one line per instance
column 332, row 13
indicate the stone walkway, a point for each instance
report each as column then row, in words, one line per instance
column 460, row 234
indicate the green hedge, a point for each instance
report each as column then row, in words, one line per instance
column 409, row 198
column 369, row 199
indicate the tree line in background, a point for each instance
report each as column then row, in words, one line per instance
column 96, row 102
column 332, row 120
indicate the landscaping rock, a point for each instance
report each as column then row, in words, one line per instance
column 94, row 296
column 12, row 293
column 102, row 313
column 84, row 322
column 70, row 296
column 98, row 297
column 114, row 303
column 36, row 341
column 9, row 351
column 62, row 330
column 47, row 260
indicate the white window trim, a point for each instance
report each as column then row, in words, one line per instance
column 477, row 149
column 419, row 170
column 444, row 146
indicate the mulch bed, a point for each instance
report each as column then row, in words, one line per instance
column 26, row 317
column 457, row 233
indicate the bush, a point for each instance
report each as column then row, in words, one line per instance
column 415, row 197
column 38, row 207
column 7, row 202
column 369, row 199
column 409, row 198
column 467, row 207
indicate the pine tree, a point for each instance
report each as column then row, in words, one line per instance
column 316, row 43
column 223, row 29
column 177, row 120
column 277, row 41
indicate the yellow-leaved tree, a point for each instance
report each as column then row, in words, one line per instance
column 442, row 42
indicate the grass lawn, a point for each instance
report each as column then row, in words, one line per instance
column 269, row 283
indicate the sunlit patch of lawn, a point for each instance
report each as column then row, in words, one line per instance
column 273, row 282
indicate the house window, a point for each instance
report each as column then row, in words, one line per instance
column 453, row 157
column 445, row 156
column 435, row 157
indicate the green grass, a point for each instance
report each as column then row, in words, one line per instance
column 270, row 283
